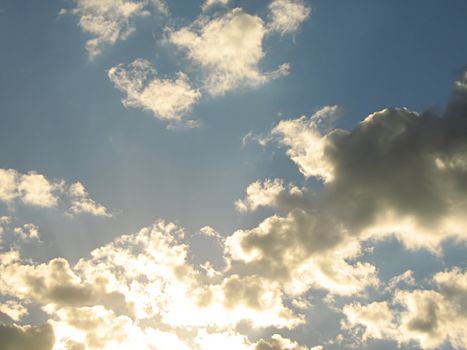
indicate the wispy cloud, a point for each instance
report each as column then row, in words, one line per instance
column 111, row 21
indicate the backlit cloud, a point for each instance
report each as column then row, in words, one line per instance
column 34, row 189
column 427, row 317
column 228, row 49
column 288, row 15
column 167, row 99
column 109, row 21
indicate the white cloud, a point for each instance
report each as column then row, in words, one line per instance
column 272, row 193
column 301, row 251
column 82, row 203
column 8, row 185
column 229, row 49
column 427, row 317
column 260, row 194
column 167, row 99
column 32, row 188
column 35, row 189
column 306, row 145
column 141, row 283
column 27, row 232
column 109, row 21
column 13, row 309
column 287, row 15
column 210, row 3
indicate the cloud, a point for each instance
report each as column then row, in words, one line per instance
column 138, row 284
column 272, row 193
column 301, row 250
column 13, row 337
column 82, row 203
column 167, row 99
column 27, row 232
column 11, row 234
column 305, row 144
column 228, row 49
column 211, row 3
column 397, row 172
column 287, row 15
column 277, row 342
column 33, row 189
column 427, row 317
column 13, row 309
column 111, row 21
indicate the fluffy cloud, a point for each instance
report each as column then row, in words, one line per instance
column 397, row 172
column 428, row 317
column 272, row 193
column 109, row 21
column 228, row 48
column 31, row 188
column 287, row 15
column 305, row 144
column 167, row 99
column 36, row 190
column 132, row 287
column 301, row 251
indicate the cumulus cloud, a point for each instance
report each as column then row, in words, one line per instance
column 167, row 99
column 296, row 250
column 31, row 188
column 111, row 21
column 397, row 172
column 427, row 317
column 228, row 49
column 101, row 301
column 35, row 189
column 287, row 15
column 272, row 193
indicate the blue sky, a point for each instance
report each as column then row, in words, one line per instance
column 94, row 145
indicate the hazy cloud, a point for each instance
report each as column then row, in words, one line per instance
column 287, row 15
column 14, row 337
column 109, row 21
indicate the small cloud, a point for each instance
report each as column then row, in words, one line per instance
column 286, row 16
column 34, row 189
column 111, row 21
column 167, row 99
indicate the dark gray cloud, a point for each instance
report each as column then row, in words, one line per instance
column 13, row 337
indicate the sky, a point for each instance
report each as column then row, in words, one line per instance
column 244, row 174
